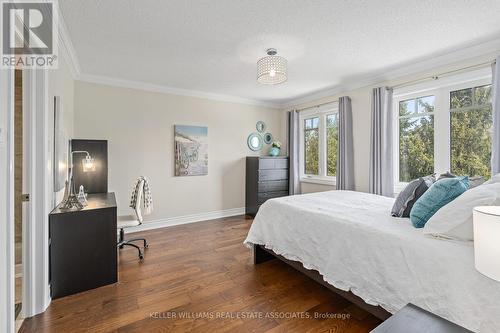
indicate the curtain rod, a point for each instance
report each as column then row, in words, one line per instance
column 408, row 83
column 438, row 76
column 314, row 106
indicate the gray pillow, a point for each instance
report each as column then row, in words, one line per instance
column 406, row 198
column 447, row 174
column 476, row 181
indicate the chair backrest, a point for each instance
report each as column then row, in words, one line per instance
column 138, row 202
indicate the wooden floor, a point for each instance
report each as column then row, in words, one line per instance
column 202, row 271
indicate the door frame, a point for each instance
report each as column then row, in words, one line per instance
column 7, row 261
column 36, row 289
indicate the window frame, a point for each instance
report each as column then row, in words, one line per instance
column 441, row 90
column 321, row 112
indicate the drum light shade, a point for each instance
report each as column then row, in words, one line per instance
column 272, row 69
column 487, row 240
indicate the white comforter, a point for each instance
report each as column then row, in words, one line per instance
column 352, row 240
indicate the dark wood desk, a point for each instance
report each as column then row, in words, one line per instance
column 82, row 246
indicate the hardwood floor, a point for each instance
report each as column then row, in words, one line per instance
column 202, row 270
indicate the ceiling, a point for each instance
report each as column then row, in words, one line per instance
column 212, row 46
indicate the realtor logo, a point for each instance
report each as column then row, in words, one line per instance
column 29, row 34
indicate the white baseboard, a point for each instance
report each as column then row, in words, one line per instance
column 171, row 221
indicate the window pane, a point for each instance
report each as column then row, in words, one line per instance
column 461, row 98
column 407, row 107
column 425, row 104
column 332, row 134
column 482, row 95
column 416, row 147
column 311, row 145
column 471, row 142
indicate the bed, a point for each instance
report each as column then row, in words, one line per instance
column 353, row 242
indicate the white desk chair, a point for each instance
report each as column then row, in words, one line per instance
column 133, row 220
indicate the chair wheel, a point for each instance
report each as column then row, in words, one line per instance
column 141, row 257
column 146, row 246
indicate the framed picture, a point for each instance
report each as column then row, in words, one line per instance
column 191, row 150
column 61, row 146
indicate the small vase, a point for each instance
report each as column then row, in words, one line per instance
column 274, row 151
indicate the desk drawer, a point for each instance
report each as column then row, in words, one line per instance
column 273, row 185
column 278, row 174
column 273, row 163
column 262, row 197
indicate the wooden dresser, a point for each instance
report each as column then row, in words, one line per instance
column 266, row 178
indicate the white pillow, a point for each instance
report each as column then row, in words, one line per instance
column 454, row 220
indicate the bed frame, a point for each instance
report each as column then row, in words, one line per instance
column 261, row 254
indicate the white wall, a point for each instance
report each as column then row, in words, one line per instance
column 139, row 128
column 361, row 108
column 62, row 84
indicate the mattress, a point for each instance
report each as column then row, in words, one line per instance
column 351, row 239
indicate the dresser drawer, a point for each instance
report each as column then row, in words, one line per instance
column 276, row 174
column 273, row 163
column 262, row 197
column 273, row 186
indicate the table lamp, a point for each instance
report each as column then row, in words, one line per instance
column 487, row 240
column 88, row 165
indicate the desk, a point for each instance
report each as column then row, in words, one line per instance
column 82, row 246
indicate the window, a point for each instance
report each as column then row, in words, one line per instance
column 470, row 127
column 311, row 146
column 319, row 140
column 332, row 138
column 443, row 128
column 416, row 138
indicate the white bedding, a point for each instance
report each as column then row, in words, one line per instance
column 352, row 240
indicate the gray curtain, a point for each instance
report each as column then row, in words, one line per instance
column 381, row 155
column 345, row 151
column 495, row 144
column 293, row 151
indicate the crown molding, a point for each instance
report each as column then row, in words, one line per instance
column 138, row 85
column 433, row 62
column 66, row 47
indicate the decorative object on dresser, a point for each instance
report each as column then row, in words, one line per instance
column 412, row 319
column 71, row 201
column 82, row 246
column 275, row 149
column 191, row 150
column 266, row 178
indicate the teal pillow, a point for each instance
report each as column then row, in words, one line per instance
column 439, row 194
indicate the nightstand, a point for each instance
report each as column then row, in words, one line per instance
column 412, row 319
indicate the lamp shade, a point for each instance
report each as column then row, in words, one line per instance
column 487, row 240
column 272, row 69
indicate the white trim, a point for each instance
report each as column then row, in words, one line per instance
column 192, row 218
column 7, row 269
column 469, row 53
column 173, row 91
column 35, row 246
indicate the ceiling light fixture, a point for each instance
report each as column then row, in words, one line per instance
column 272, row 69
